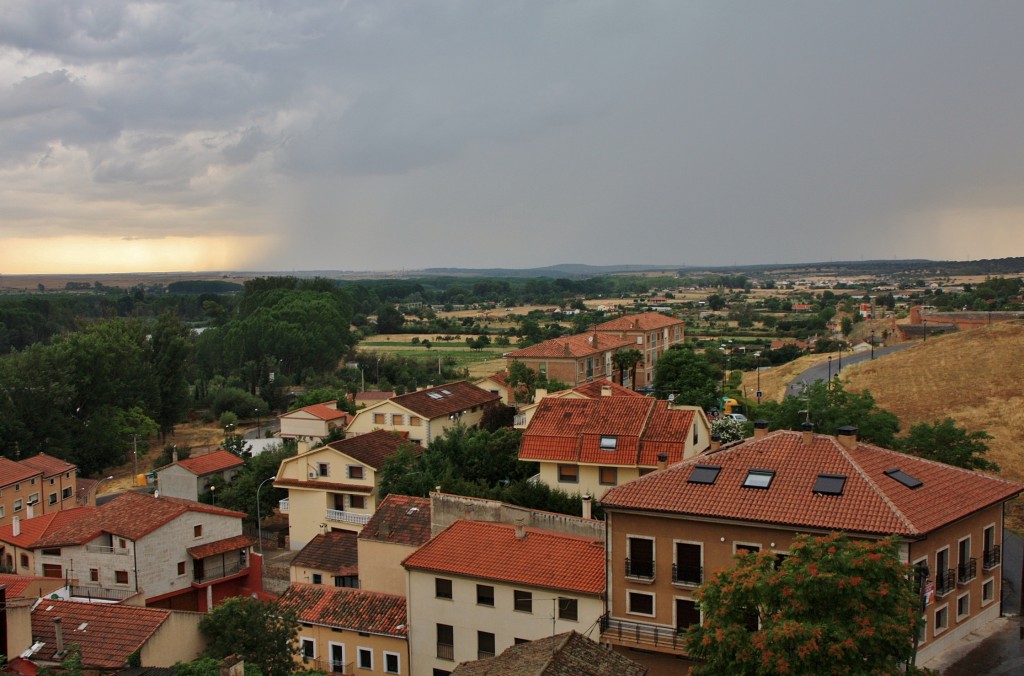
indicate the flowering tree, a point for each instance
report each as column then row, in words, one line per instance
column 833, row 605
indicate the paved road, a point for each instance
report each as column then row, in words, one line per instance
column 821, row 371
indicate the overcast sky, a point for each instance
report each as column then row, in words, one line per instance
column 266, row 135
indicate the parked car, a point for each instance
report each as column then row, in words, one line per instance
column 736, row 416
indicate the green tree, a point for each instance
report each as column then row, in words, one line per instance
column 945, row 442
column 626, row 360
column 170, row 355
column 688, row 375
column 260, row 632
column 830, row 408
column 834, row 605
column 389, row 319
column 240, row 494
column 523, row 381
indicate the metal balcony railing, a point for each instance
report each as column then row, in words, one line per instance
column 211, row 573
column 282, row 505
column 104, row 549
column 693, row 575
column 641, row 635
column 347, row 517
column 945, row 581
column 991, row 557
column 641, row 569
column 966, row 571
column 445, row 651
column 101, row 593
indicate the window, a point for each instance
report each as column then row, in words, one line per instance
column 689, row 564
column 356, row 502
column 568, row 609
column 641, row 557
column 65, row 493
column 392, row 663
column 640, row 603
column 609, row 476
column 609, row 443
column 445, row 642
column 121, row 576
column 522, row 601
column 568, row 474
column 696, row 437
column 2, row 510
column 308, row 649
column 364, row 658
column 346, row 581
column 94, row 575
column 759, row 478
column 17, row 505
column 51, row 499
column 51, row 481
column 414, row 421
column 24, row 560
column 51, row 552
column 197, row 530
column 484, row 644
column 122, row 543
column 704, row 474
column 518, row 640
column 355, row 471
column 941, row 619
column 17, row 487
column 687, row 614
column 484, row 595
column 52, row 570
column 967, row 568
column 318, row 578
column 990, row 554
column 743, row 548
column 442, row 588
column 378, row 418
column 181, row 567
column 323, row 468
column 829, row 484
column 944, row 575
column 904, row 478
column 963, row 606
column 988, row 591
column 396, row 419
column 33, row 499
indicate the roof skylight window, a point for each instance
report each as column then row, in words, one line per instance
column 704, row 474
column 446, row 393
column 609, row 443
column 904, row 478
column 759, row 478
column 829, row 484
column 434, row 395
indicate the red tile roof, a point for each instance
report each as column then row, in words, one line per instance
column 444, row 400
column 568, row 654
column 48, row 465
column 220, row 546
column 594, row 389
column 106, row 633
column 399, row 519
column 645, row 321
column 372, row 396
column 491, row 551
column 319, row 484
column 32, row 530
column 327, row 410
column 335, row 553
column 570, row 347
column 17, row 584
column 871, row 501
column 570, row 430
column 130, row 515
column 12, row 472
column 215, row 461
column 373, row 448
column 347, row 608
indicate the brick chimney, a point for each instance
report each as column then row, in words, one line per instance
column 808, row 431
column 520, row 529
column 58, row 630
column 606, row 390
column 760, row 428
column 662, row 460
column 588, row 507
column 848, row 437
column 16, row 526
column 716, row 442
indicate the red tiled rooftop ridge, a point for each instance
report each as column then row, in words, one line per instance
column 48, row 465
column 107, row 634
column 399, row 519
column 645, row 321
column 347, row 608
column 596, row 389
column 443, row 400
column 871, row 501
column 492, row 551
column 335, row 553
column 12, row 472
column 372, row 448
column 215, row 461
column 327, row 410
column 571, row 347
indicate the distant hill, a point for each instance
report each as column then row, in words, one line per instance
column 560, row 270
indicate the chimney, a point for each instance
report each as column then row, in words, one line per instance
column 848, row 437
column 174, row 454
column 716, row 442
column 59, row 631
column 808, row 431
column 30, row 510
column 662, row 460
column 385, row 528
column 588, row 510
column 539, row 394
column 302, row 446
column 606, row 390
column 760, row 428
column 520, row 529
column 16, row 526
column 567, row 348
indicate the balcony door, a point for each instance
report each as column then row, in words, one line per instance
column 687, row 613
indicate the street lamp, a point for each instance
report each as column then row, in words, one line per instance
column 872, row 343
column 213, row 494
column 256, row 411
column 830, row 371
column 259, row 521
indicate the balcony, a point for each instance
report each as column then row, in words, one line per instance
column 445, row 651
column 330, row 666
column 966, row 571
column 100, row 593
column 347, row 517
column 690, row 575
column 945, row 581
column 642, row 636
column 282, row 506
column 211, row 570
column 104, row 549
column 990, row 558
column 643, row 570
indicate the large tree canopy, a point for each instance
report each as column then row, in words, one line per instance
column 688, row 376
column 834, row 605
column 945, row 442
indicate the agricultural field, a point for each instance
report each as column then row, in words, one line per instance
column 482, row 362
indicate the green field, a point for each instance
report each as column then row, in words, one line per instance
column 479, row 362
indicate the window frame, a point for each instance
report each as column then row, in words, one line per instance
column 66, row 493
column 522, row 601
column 565, row 604
column 307, row 641
column 197, row 530
column 379, row 418
column 633, row 593
column 439, row 584
column 565, row 478
column 316, row 578
column 482, row 639
column 363, row 651
column 937, row 627
column 614, row 476
column 356, row 501
column 965, row 597
column 118, row 574
column 482, row 595
column 988, row 588
column 398, row 662
column 355, row 472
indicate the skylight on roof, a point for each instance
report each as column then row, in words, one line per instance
column 446, row 393
column 704, row 474
column 609, row 443
column 434, row 395
column 759, row 478
column 829, row 484
column 904, row 478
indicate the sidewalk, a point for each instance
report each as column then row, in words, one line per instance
column 994, row 649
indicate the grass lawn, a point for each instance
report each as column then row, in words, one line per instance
column 479, row 362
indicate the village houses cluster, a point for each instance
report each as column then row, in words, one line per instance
column 451, row 584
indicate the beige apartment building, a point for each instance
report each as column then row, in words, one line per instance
column 574, row 360
column 651, row 333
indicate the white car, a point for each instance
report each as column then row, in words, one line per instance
column 736, row 416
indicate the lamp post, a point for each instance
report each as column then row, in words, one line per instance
column 830, row 371
column 840, row 367
column 257, row 412
column 213, row 494
column 259, row 521
column 872, row 343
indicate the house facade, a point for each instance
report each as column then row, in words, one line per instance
column 398, row 528
column 35, row 486
column 191, row 477
column 329, row 559
column 334, row 487
column 670, row 530
column 574, row 360
column 478, row 588
column 651, row 333
column 313, row 423
column 587, row 446
column 426, row 414
column 600, row 388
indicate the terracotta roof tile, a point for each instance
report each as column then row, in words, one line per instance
column 399, row 519
column 492, row 551
column 12, row 472
column 220, row 546
column 646, row 321
column 443, row 400
column 319, row 484
column 568, row 654
column 215, row 461
column 327, row 410
column 48, row 465
column 570, row 347
column 373, row 448
column 347, row 608
column 17, row 584
column 33, row 530
column 334, row 553
column 871, row 501
column 110, row 633
column 594, row 389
